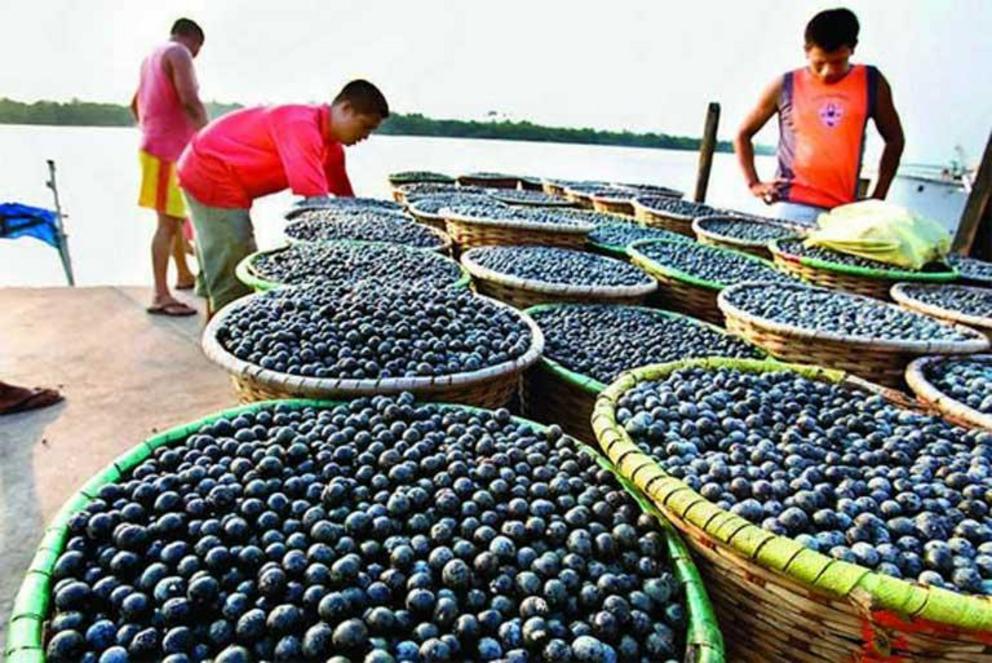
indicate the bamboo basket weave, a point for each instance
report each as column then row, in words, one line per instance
column 553, row 187
column 524, row 293
column 26, row 629
column 775, row 599
column 677, row 223
column 492, row 386
column 876, row 360
column 708, row 236
column 907, row 301
column 580, row 198
column 435, row 221
column 612, row 204
column 860, row 280
column 681, row 291
column 931, row 396
column 249, row 275
column 469, row 232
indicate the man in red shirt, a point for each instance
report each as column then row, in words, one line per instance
column 257, row 151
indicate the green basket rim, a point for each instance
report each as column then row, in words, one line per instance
column 864, row 272
column 836, row 577
column 245, row 270
column 591, row 385
column 649, row 265
column 702, row 630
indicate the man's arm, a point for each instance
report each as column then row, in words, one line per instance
column 179, row 63
column 755, row 120
column 134, row 107
column 888, row 125
column 337, row 174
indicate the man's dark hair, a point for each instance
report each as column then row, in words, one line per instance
column 186, row 27
column 833, row 28
column 365, row 98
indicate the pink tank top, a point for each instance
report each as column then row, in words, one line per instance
column 165, row 126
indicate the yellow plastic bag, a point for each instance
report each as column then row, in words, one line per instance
column 881, row 231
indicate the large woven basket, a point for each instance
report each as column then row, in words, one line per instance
column 677, row 223
column 435, row 221
column 247, row 274
column 683, row 292
column 524, row 293
column 708, row 236
column 578, row 196
column 469, row 232
column 931, row 396
column 906, row 300
column 775, row 599
column 553, row 187
column 860, row 280
column 881, row 361
column 612, row 204
column 26, row 630
column 493, row 386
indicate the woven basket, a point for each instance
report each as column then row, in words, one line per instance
column 580, row 198
column 26, row 630
column 876, row 360
column 622, row 206
column 493, row 386
column 909, row 302
column 531, row 184
column 470, row 232
column 680, row 291
column 490, row 182
column 435, row 221
column 859, row 280
column 524, row 293
column 704, row 236
column 677, row 223
column 778, row 601
column 247, row 274
column 444, row 247
column 553, row 188
column 932, row 397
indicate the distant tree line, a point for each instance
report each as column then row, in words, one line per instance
column 92, row 114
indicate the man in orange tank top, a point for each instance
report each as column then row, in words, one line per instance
column 823, row 111
column 168, row 109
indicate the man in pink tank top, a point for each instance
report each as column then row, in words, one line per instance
column 823, row 111
column 169, row 112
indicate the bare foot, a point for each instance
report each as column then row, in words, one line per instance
column 20, row 399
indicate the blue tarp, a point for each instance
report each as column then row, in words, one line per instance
column 18, row 220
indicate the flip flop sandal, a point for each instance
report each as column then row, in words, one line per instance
column 172, row 309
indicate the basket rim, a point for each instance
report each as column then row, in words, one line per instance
column 977, row 344
column 451, row 216
column 863, row 272
column 938, row 605
column 552, row 202
column 899, row 294
column 647, row 209
column 590, row 384
column 314, row 386
column 442, row 236
column 699, row 222
column 928, row 392
column 651, row 189
column 433, row 177
column 652, row 266
column 546, row 287
column 702, row 630
column 247, row 274
column 297, row 210
column 611, row 199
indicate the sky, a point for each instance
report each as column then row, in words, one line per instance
column 647, row 65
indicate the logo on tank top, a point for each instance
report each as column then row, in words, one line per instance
column 831, row 113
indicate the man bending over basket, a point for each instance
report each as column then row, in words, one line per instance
column 823, row 111
column 257, row 151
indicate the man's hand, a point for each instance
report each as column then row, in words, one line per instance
column 770, row 192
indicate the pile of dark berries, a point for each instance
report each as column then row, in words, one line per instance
column 971, row 269
column 433, row 204
column 976, row 302
column 621, row 233
column 559, row 266
column 370, row 331
column 677, row 206
column 526, row 197
column 367, row 227
column 819, row 309
column 965, row 379
column 416, row 192
column 483, row 176
column 351, row 205
column 510, row 214
column 613, row 193
column 651, row 189
column 377, row 530
column 339, row 263
column 838, row 469
column 417, row 176
column 602, row 341
column 797, row 247
column 745, row 229
column 710, row 263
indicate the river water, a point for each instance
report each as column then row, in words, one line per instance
column 109, row 235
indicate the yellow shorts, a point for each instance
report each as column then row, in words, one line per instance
column 159, row 186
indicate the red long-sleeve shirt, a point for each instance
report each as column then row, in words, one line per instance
column 257, row 151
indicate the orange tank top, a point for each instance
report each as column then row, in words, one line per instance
column 822, row 135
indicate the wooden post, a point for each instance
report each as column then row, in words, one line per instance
column 976, row 209
column 706, row 148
